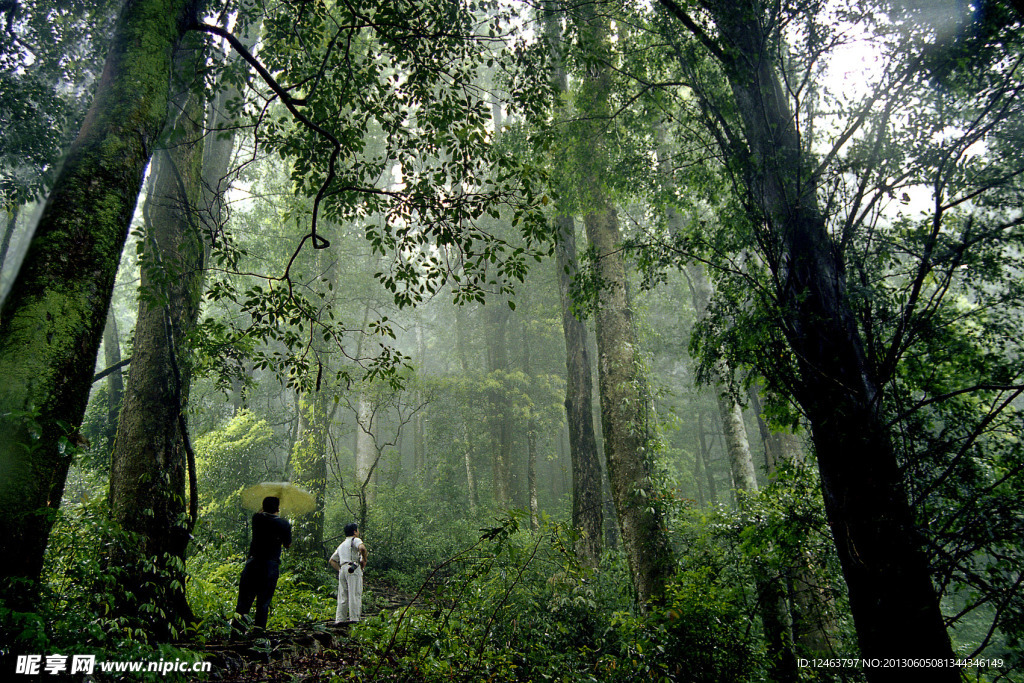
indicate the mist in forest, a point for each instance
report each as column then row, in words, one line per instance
column 492, row 340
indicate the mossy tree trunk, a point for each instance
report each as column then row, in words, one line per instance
column 53, row 319
column 310, row 468
column 149, row 461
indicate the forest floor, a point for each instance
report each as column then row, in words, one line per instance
column 310, row 653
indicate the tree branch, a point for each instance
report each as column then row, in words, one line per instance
column 112, row 369
column 695, row 29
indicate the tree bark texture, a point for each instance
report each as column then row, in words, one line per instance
column 894, row 604
column 53, row 318
column 624, row 419
column 149, row 460
column 587, row 503
column 310, row 468
column 311, row 465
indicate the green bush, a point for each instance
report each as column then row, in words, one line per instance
column 75, row 614
column 517, row 606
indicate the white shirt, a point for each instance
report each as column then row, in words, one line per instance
column 348, row 551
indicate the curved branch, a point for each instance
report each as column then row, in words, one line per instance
column 695, row 29
column 292, row 104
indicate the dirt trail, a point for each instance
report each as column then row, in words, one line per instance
column 307, row 652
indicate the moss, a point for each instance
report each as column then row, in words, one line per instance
column 53, row 319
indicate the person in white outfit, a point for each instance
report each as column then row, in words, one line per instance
column 349, row 560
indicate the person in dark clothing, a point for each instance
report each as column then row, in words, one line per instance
column 259, row 577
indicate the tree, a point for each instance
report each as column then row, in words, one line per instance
column 151, row 458
column 115, row 385
column 587, row 504
column 625, row 413
column 53, row 319
column 51, row 55
column 842, row 351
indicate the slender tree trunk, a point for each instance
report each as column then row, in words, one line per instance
column 587, row 504
column 419, row 446
column 366, row 446
column 500, row 408
column 115, row 381
column 894, row 604
column 149, row 460
column 460, row 338
column 704, row 449
column 217, row 175
column 470, row 477
column 772, row 604
column 811, row 608
column 311, row 467
column 771, row 595
column 53, row 318
column 531, row 442
column 698, row 474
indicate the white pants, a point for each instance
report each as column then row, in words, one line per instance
column 350, row 595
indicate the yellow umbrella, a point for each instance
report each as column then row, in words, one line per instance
column 294, row 500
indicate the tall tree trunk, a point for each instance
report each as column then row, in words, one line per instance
column 460, row 338
column 771, row 594
column 587, row 504
column 53, row 318
column 894, row 604
column 217, row 175
column 149, row 460
column 418, row 437
column 698, row 474
column 115, row 381
column 624, row 400
column 310, row 467
column 366, row 446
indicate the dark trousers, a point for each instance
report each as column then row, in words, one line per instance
column 259, row 579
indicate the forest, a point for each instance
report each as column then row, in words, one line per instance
column 667, row 340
